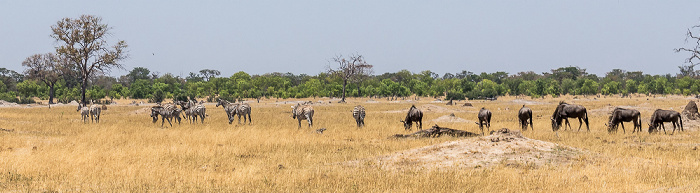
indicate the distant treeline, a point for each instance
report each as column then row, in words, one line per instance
column 140, row 83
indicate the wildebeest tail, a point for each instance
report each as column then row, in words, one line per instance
column 531, row 125
column 680, row 118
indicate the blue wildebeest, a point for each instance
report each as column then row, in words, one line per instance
column 620, row 115
column 661, row 116
column 414, row 115
column 484, row 119
column 564, row 111
column 525, row 114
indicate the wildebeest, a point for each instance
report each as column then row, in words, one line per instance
column 564, row 111
column 484, row 119
column 414, row 115
column 359, row 114
column 84, row 112
column 95, row 111
column 661, row 116
column 620, row 115
column 525, row 114
column 303, row 112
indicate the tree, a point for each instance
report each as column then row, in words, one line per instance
column 46, row 68
column 350, row 69
column 83, row 42
column 694, row 59
column 208, row 74
column 138, row 73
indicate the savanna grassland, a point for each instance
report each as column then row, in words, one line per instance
column 44, row 149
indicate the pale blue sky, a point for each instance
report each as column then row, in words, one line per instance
column 301, row 36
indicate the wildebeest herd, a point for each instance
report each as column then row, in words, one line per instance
column 191, row 110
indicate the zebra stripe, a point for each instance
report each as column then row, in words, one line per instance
column 359, row 114
column 84, row 112
column 165, row 113
column 244, row 109
column 95, row 111
column 303, row 113
column 229, row 108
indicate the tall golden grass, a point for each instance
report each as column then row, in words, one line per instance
column 53, row 150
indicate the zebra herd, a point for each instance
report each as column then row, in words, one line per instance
column 193, row 110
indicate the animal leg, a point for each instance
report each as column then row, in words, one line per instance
column 580, row 123
column 311, row 121
column 623, row 127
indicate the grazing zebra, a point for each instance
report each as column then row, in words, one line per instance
column 176, row 112
column 165, row 113
column 303, row 113
column 84, row 112
column 359, row 114
column 95, row 111
column 244, row 109
column 229, row 108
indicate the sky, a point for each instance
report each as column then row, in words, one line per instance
column 263, row 36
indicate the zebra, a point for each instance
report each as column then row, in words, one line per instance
column 229, row 108
column 192, row 110
column 165, row 113
column 359, row 114
column 303, row 113
column 243, row 109
column 176, row 112
column 84, row 112
column 95, row 111
column 197, row 110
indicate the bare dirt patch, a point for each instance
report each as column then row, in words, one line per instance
column 528, row 102
column 501, row 147
column 450, row 119
column 430, row 108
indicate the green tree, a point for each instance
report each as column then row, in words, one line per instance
column 612, row 87
column 47, row 68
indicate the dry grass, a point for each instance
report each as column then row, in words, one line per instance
column 52, row 150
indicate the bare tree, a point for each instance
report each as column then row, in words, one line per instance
column 350, row 69
column 83, row 42
column 694, row 59
column 47, row 68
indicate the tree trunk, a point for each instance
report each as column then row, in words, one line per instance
column 51, row 92
column 83, row 88
column 437, row 131
column 345, row 83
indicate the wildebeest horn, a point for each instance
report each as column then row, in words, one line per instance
column 551, row 118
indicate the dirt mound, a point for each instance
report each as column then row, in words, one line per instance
column 501, row 147
column 691, row 111
column 450, row 119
